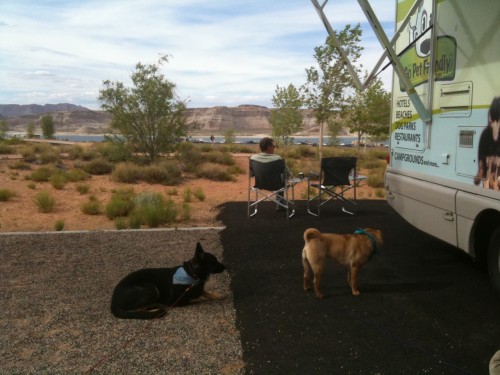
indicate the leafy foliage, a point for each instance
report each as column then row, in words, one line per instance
column 286, row 118
column 148, row 115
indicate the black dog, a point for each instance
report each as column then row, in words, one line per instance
column 148, row 293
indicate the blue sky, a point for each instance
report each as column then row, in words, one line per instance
column 222, row 52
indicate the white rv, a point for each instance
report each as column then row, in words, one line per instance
column 446, row 60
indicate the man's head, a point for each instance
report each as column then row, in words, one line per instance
column 495, row 109
column 266, row 144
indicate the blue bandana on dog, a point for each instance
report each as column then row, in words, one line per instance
column 370, row 236
column 181, row 277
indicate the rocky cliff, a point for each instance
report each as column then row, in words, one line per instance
column 243, row 119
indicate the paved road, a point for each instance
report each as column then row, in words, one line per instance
column 424, row 308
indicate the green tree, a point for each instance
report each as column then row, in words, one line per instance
column 4, row 127
column 229, row 136
column 47, row 126
column 286, row 117
column 328, row 83
column 149, row 115
column 367, row 112
column 30, row 130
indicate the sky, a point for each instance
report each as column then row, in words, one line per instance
column 221, row 53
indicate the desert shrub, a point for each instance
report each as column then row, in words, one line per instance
column 74, row 152
column 135, row 220
column 59, row 225
column 214, row 172
column 224, row 158
column 41, row 174
column 5, row 149
column 154, row 210
column 187, row 195
column 186, row 212
column 127, row 173
column 58, row 180
column 380, row 193
column 98, row 167
column 121, row 203
column 199, row 194
column 20, row 165
column 82, row 188
column 173, row 173
column 235, row 169
column 31, row 185
column 371, row 163
column 114, row 152
column 88, row 154
column 120, row 223
column 28, row 154
column 376, row 178
column 45, row 202
column 172, row 191
column 154, row 174
column 77, row 174
column 92, row 206
column 49, row 156
column 6, row 194
column 189, row 156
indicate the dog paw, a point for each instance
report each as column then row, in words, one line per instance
column 356, row 292
column 319, row 295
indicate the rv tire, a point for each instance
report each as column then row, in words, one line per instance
column 494, row 260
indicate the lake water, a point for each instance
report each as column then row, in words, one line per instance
column 218, row 139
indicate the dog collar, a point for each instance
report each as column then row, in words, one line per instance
column 181, row 277
column 370, row 236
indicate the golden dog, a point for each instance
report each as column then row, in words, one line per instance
column 350, row 250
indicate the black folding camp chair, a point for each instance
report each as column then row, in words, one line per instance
column 271, row 183
column 337, row 176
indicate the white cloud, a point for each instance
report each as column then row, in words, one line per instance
column 222, row 53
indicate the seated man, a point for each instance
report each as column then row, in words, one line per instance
column 267, row 155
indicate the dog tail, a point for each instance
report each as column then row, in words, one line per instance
column 153, row 313
column 312, row 233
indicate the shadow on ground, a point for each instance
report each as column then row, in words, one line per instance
column 424, row 308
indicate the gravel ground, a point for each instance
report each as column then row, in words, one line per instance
column 55, row 294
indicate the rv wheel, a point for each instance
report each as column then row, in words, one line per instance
column 494, row 260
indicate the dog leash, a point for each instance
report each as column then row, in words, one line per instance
column 129, row 341
column 370, row 236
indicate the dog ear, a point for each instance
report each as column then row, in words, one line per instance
column 199, row 250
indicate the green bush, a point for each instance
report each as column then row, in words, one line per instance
column 120, row 223
column 77, row 174
column 48, row 157
column 92, row 206
column 118, row 207
column 127, row 173
column 154, row 174
column 41, row 174
column 216, row 157
column 58, row 180
column 82, row 188
column 45, row 202
column 6, row 194
column 189, row 156
column 376, row 178
column 186, row 212
column 199, row 194
column 59, row 225
column 153, row 210
column 6, row 149
column 20, row 165
column 121, row 203
column 214, row 172
column 115, row 153
column 187, row 195
column 98, row 167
